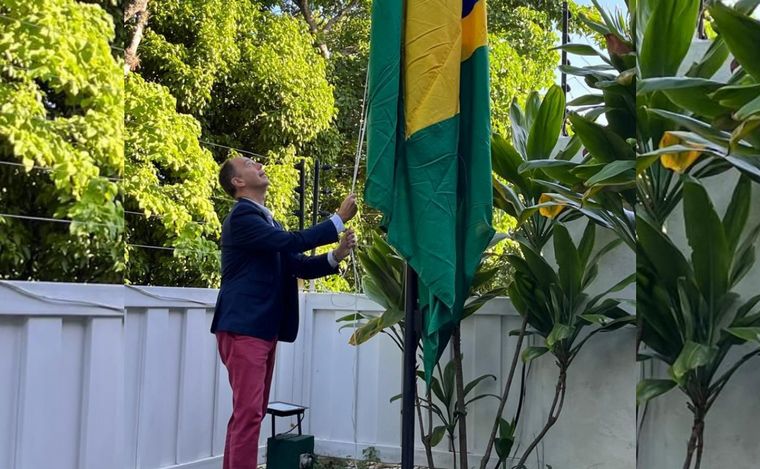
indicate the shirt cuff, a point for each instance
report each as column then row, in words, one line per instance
column 339, row 227
column 331, row 259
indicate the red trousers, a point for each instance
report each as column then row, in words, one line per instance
column 250, row 364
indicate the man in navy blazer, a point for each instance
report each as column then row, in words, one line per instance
column 257, row 304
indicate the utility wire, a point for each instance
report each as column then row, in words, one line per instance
column 46, row 169
column 68, row 221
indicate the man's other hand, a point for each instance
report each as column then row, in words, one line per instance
column 347, row 209
column 347, row 243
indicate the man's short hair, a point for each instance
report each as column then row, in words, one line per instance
column 226, row 173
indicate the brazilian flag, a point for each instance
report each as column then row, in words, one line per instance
column 428, row 149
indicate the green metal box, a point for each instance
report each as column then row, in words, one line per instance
column 284, row 451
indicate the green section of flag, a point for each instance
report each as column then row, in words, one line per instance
column 433, row 188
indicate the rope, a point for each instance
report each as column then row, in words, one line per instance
column 357, row 281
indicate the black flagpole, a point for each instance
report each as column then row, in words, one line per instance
column 410, row 380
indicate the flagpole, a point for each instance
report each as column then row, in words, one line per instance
column 409, row 380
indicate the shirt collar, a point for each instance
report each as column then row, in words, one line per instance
column 266, row 211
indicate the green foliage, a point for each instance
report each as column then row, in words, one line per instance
column 534, row 131
column 251, row 77
column 690, row 314
column 443, row 401
column 601, row 186
column 521, row 60
column 170, row 179
column 61, row 92
column 702, row 126
column 383, row 283
column 555, row 298
column 689, row 128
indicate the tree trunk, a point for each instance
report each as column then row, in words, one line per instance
column 139, row 9
column 559, row 399
column 425, row 440
column 453, row 450
column 505, row 395
column 305, row 8
column 461, row 411
column 696, row 440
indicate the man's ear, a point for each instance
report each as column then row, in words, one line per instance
column 237, row 181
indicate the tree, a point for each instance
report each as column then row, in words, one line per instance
column 168, row 185
column 213, row 73
column 62, row 119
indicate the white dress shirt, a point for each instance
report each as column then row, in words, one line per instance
column 339, row 227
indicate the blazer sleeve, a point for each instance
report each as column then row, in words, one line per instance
column 310, row 267
column 251, row 231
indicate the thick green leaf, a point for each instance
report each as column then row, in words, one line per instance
column 744, row 258
column 736, row 96
column 648, row 389
column 746, row 6
column 506, row 199
column 703, row 129
column 531, row 353
column 471, row 385
column 748, row 165
column 671, row 22
column 449, row 377
column 506, row 429
column 587, row 100
column 749, row 334
column 547, row 125
column 707, row 239
column 693, row 355
column 559, row 333
column 572, row 148
column 532, row 106
column 692, row 94
column 749, row 109
column 651, row 85
column 578, row 49
column 545, row 164
column 506, row 161
column 710, row 63
column 605, row 145
column 598, row 72
column 667, row 260
column 736, row 215
column 569, row 262
column 437, row 436
column 587, row 243
column 741, row 33
column 519, row 129
column 617, row 172
column 538, row 267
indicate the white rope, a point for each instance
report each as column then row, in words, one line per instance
column 357, row 281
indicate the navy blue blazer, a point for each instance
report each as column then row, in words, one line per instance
column 260, row 267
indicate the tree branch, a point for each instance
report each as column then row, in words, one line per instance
column 138, row 9
column 338, row 16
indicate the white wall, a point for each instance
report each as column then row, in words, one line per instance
column 87, row 386
column 61, row 369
